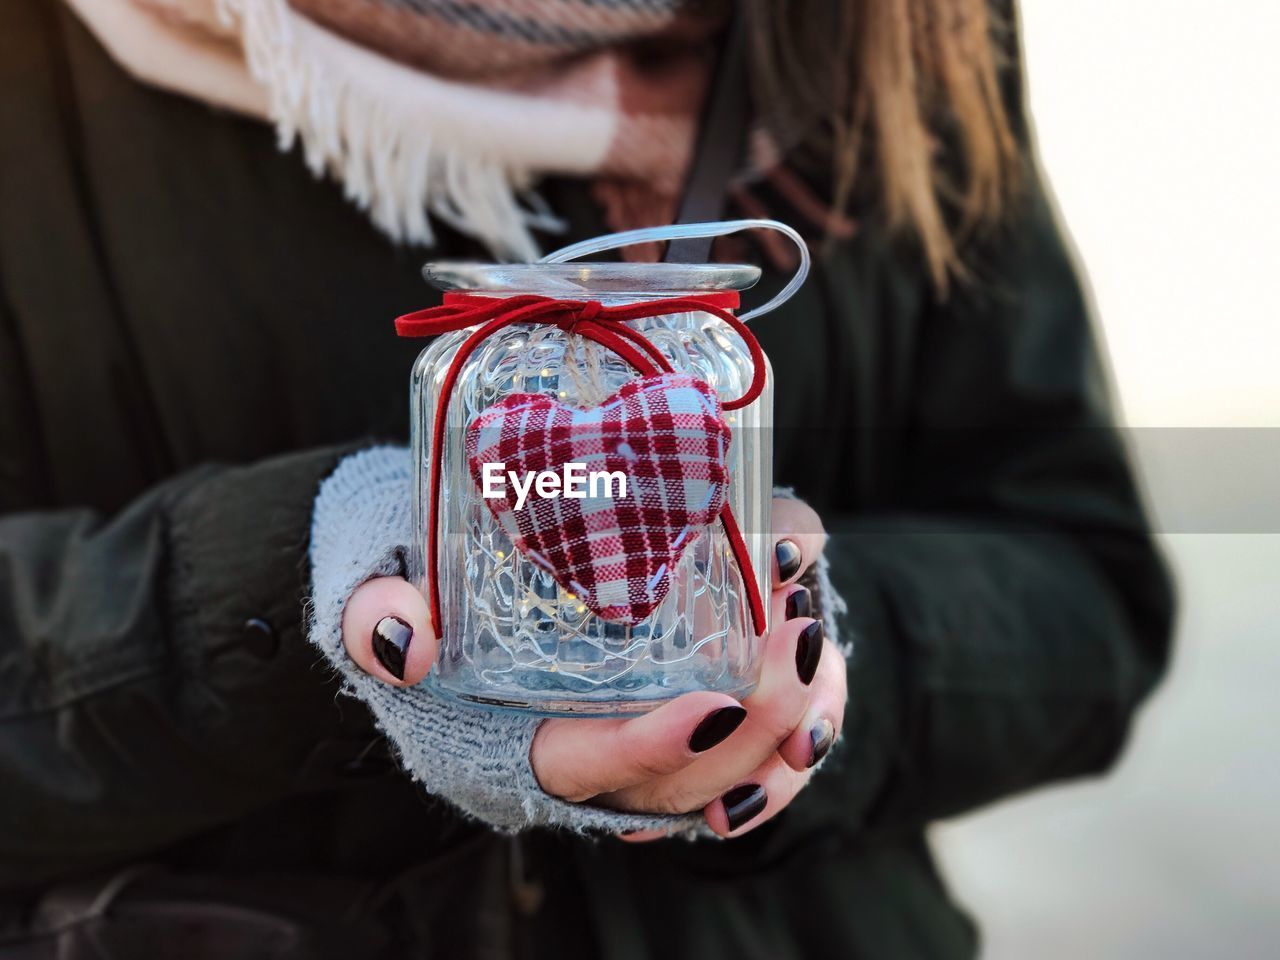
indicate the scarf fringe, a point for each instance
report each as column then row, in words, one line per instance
column 383, row 149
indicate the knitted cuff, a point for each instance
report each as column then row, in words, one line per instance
column 476, row 759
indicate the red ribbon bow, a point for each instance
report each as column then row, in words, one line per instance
column 605, row 325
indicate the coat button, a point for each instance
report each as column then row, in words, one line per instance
column 260, row 638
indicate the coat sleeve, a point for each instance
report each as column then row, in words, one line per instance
column 138, row 704
column 1008, row 608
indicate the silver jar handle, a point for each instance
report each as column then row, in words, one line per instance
column 682, row 231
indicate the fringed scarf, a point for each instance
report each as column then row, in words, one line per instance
column 448, row 110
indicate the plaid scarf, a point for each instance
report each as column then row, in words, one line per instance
column 449, row 110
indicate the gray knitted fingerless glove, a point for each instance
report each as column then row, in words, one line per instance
column 476, row 759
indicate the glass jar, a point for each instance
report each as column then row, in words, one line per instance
column 513, row 637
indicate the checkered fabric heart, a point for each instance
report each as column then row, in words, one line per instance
column 665, row 433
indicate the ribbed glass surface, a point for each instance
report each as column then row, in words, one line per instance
column 513, row 637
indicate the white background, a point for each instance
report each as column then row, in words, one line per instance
column 1157, row 126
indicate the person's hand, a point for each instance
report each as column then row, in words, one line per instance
column 739, row 763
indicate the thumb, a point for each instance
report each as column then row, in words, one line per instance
column 386, row 629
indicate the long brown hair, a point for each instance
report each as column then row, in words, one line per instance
column 875, row 87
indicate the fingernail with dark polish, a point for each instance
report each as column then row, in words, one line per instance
column 809, row 651
column 744, row 803
column 799, row 603
column 788, row 554
column 821, row 736
column 716, row 727
column 390, row 644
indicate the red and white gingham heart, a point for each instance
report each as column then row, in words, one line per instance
column 665, row 433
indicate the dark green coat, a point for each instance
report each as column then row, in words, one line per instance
column 192, row 330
